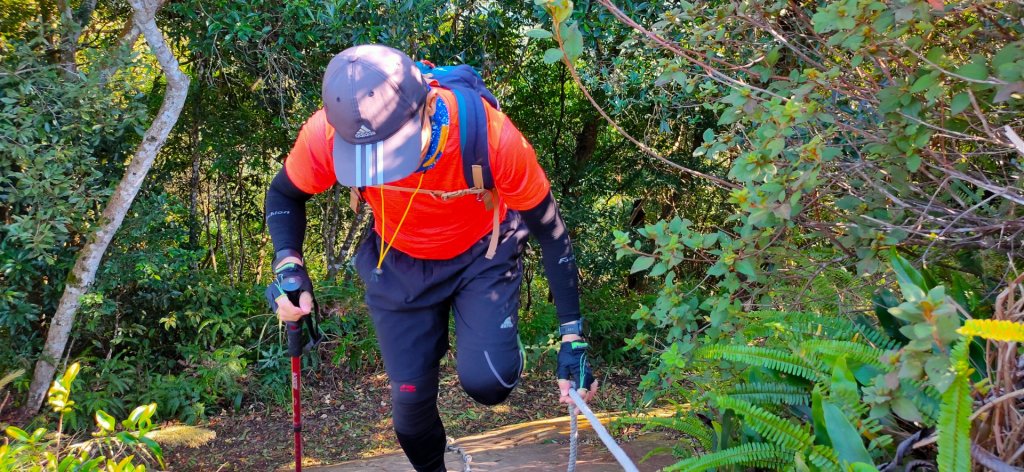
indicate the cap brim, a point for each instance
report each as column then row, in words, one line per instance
column 380, row 162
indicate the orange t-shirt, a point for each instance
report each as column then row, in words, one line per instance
column 434, row 229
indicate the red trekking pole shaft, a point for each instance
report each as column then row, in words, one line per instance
column 296, row 348
column 295, row 351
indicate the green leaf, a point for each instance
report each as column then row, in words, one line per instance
column 552, row 55
column 641, row 263
column 37, row 434
column 104, row 421
column 844, row 385
column 976, row 70
column 913, row 162
column 911, row 281
column 960, row 103
column 17, row 433
column 924, row 82
column 136, row 414
column 573, row 42
column 127, row 438
column 745, row 267
column 148, row 412
column 845, row 438
column 559, row 9
column 849, row 202
column 70, row 374
column 538, row 33
column 818, row 418
column 905, row 408
column 883, row 300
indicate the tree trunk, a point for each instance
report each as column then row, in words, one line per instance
column 586, row 145
column 342, row 256
column 197, row 157
column 84, row 272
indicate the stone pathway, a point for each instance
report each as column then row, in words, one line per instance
column 536, row 446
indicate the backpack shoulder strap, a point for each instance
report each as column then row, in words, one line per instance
column 476, row 162
column 476, row 165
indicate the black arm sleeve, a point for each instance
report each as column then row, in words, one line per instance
column 285, row 208
column 546, row 224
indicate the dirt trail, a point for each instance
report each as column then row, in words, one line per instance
column 535, row 446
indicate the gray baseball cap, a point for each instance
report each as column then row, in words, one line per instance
column 374, row 96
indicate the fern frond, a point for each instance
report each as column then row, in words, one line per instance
column 880, row 443
column 773, row 359
column 760, row 455
column 854, row 351
column 798, row 324
column 687, row 425
column 773, row 393
column 772, row 427
column 11, row 377
column 996, row 330
column 954, row 426
column 824, row 458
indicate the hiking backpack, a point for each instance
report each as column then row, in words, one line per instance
column 469, row 89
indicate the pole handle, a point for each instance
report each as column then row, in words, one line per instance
column 294, row 328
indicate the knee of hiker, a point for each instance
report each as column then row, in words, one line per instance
column 490, row 380
column 413, row 406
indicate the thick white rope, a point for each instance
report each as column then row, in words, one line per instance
column 602, row 433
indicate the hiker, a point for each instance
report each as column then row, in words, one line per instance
column 442, row 242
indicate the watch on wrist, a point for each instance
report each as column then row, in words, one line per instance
column 283, row 254
column 575, row 327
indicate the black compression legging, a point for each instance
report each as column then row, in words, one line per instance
column 410, row 302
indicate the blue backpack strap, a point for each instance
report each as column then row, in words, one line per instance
column 470, row 91
column 473, row 138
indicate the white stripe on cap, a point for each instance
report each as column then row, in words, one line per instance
column 380, row 161
column 359, row 167
column 371, row 170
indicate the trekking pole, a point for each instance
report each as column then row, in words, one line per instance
column 296, row 348
column 295, row 351
column 602, row 433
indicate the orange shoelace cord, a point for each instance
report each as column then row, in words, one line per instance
column 383, row 222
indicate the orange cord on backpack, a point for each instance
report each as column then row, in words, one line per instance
column 383, row 221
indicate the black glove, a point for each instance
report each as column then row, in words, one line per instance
column 290, row 278
column 573, row 364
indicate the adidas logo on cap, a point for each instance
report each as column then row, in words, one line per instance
column 364, row 132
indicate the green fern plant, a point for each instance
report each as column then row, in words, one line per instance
column 854, row 351
column 781, row 432
column 774, row 359
column 761, row 455
column 771, row 393
column 687, row 425
column 954, row 427
column 802, row 325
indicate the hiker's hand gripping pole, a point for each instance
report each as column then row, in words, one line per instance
column 294, row 334
column 292, row 286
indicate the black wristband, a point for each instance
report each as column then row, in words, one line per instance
column 575, row 327
column 283, row 254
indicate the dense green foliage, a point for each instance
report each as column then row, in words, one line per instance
column 109, row 450
column 782, row 211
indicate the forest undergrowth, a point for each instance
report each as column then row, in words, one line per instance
column 801, row 222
